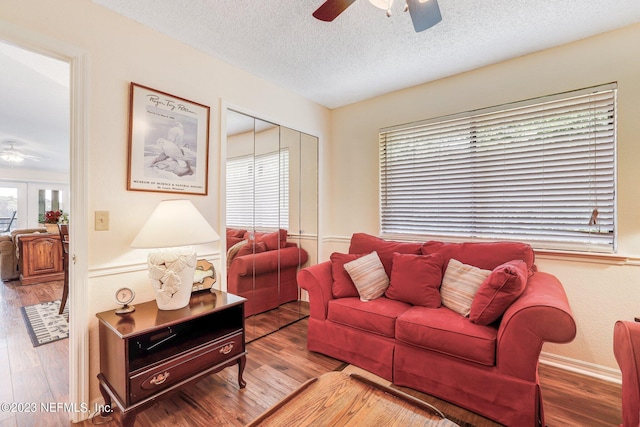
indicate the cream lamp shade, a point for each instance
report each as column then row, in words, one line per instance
column 382, row 4
column 171, row 229
column 175, row 223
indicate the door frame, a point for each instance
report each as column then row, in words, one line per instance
column 77, row 59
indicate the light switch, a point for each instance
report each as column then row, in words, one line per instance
column 102, row 221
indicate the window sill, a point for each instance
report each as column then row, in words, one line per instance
column 588, row 257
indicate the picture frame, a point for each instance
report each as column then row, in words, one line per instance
column 168, row 143
column 204, row 277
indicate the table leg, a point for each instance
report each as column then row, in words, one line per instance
column 242, row 361
column 106, row 396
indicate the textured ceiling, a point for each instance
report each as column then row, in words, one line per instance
column 359, row 55
column 363, row 53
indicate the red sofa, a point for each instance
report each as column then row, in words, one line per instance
column 489, row 369
column 263, row 269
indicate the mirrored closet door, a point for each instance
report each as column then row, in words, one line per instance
column 272, row 219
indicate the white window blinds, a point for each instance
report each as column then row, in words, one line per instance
column 258, row 191
column 540, row 171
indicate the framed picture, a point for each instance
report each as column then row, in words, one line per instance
column 168, row 143
column 204, row 277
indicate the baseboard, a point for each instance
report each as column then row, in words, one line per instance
column 580, row 367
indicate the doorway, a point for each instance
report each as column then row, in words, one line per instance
column 78, row 60
column 38, row 156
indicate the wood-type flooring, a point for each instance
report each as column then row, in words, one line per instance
column 276, row 365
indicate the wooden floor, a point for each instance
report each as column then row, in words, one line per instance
column 262, row 324
column 30, row 374
column 276, row 365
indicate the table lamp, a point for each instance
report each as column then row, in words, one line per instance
column 171, row 229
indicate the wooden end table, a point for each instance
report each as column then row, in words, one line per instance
column 149, row 353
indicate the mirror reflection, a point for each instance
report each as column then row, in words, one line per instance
column 272, row 219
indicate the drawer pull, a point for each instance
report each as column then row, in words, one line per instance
column 159, row 379
column 226, row 349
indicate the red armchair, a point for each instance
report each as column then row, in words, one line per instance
column 267, row 277
column 626, row 347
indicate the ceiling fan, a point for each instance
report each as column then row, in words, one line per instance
column 12, row 155
column 424, row 13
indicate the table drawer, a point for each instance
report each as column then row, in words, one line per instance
column 147, row 382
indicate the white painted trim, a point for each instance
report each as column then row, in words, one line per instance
column 79, row 131
column 337, row 239
column 79, row 241
column 583, row 368
column 222, row 191
column 114, row 270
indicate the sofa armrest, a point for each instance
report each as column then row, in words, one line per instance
column 317, row 280
column 265, row 262
column 542, row 313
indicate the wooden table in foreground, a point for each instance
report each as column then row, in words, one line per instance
column 149, row 353
column 339, row 399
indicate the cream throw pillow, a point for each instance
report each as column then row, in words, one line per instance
column 460, row 285
column 233, row 251
column 368, row 275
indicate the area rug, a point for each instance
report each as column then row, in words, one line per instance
column 44, row 324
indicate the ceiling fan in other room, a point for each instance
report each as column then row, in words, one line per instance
column 12, row 155
column 424, row 13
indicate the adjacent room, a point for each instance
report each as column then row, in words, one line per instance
column 327, row 212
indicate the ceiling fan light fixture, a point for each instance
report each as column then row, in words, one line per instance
column 382, row 4
column 12, row 157
column 424, row 14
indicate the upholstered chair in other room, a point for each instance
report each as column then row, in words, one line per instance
column 626, row 347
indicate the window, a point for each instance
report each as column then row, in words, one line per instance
column 540, row 171
column 8, row 208
column 258, row 191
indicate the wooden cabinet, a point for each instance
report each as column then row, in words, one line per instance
column 149, row 353
column 40, row 258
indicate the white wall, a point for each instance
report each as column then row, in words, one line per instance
column 600, row 291
column 121, row 51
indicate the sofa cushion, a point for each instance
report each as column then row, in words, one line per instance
column 377, row 316
column 273, row 241
column 482, row 255
column 252, row 249
column 342, row 285
column 503, row 286
column 234, row 236
column 415, row 279
column 367, row 273
column 445, row 331
column 233, row 232
column 233, row 250
column 362, row 243
column 243, row 248
column 460, row 284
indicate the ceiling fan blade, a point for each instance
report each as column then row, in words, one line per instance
column 331, row 9
column 424, row 13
